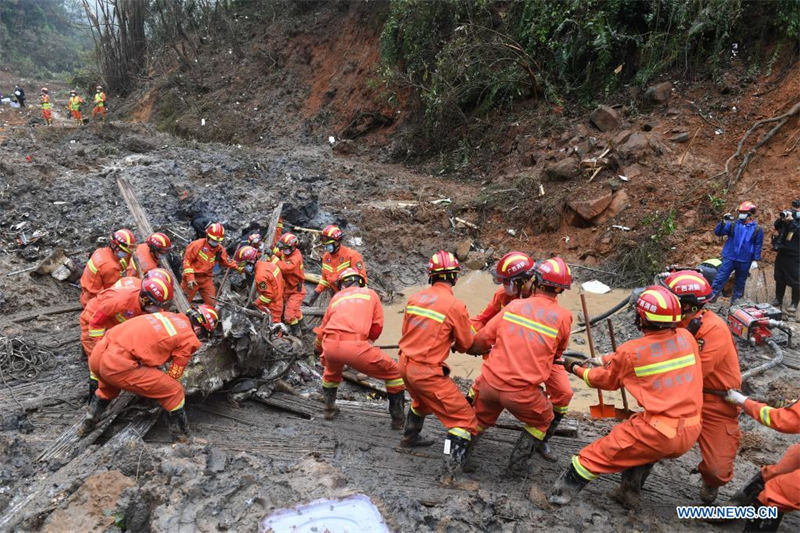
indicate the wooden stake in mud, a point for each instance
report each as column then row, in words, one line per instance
column 140, row 217
column 601, row 410
column 273, row 225
column 686, row 152
column 625, row 412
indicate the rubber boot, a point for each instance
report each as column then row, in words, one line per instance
column 708, row 494
column 397, row 405
column 411, row 431
column 96, row 408
column 763, row 524
column 93, row 384
column 630, row 487
column 470, row 465
column 455, row 453
column 567, row 487
column 749, row 492
column 329, row 393
column 543, row 447
column 296, row 330
column 178, row 425
column 519, row 462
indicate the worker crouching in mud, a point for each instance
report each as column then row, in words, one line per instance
column 662, row 371
column 130, row 356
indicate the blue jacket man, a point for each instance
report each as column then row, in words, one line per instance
column 741, row 252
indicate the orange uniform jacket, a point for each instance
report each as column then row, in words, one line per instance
column 199, row 259
column 718, row 354
column 334, row 264
column 528, row 335
column 293, row 275
column 128, row 281
column 111, row 307
column 101, row 272
column 354, row 311
column 499, row 300
column 784, row 419
column 144, row 259
column 269, row 285
column 434, row 319
column 661, row 370
column 153, row 339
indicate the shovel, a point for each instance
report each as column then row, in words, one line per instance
column 625, row 412
column 601, row 410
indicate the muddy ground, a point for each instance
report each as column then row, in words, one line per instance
column 252, row 460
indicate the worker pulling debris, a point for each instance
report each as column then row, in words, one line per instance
column 290, row 261
column 662, row 371
column 719, row 437
column 107, row 265
column 129, row 356
column 775, row 485
column 525, row 339
column 268, row 280
column 353, row 320
column 741, row 252
column 337, row 257
column 198, row 264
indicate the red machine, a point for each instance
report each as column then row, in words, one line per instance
column 752, row 322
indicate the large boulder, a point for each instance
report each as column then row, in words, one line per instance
column 635, row 146
column 563, row 170
column 619, row 202
column 658, row 93
column 591, row 207
column 605, row 118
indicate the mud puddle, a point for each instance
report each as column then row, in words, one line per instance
column 476, row 289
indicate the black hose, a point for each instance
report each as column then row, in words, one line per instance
column 595, row 319
column 778, row 359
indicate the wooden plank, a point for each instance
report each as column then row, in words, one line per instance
column 288, row 402
column 273, row 225
column 40, row 311
column 145, row 229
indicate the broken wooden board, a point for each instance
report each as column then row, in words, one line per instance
column 270, row 234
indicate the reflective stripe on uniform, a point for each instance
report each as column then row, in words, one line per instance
column 205, row 257
column 664, row 366
column 264, row 299
column 166, row 323
column 344, row 265
column 585, row 377
column 327, row 267
column 183, row 401
column 324, row 283
column 458, row 432
column 763, row 414
column 583, row 472
column 120, row 318
column 560, row 409
column 427, row 313
column 350, row 297
column 530, row 324
column 538, row 434
column 416, row 412
column 188, row 271
column 394, row 382
column 91, row 266
column 330, row 384
column 97, row 332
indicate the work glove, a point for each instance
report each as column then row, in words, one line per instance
column 570, row 362
column 754, row 265
column 279, row 327
column 735, row 397
column 727, row 216
column 192, row 285
column 595, row 361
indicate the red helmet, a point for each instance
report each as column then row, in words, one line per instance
column 215, row 232
column 658, row 307
column 206, row 317
column 254, row 239
column 348, row 273
column 747, row 207
column 45, row 90
column 689, row 286
column 160, row 243
column 124, row 240
column 157, row 291
column 246, row 254
column 513, row 266
column 553, row 272
column 443, row 265
column 288, row 240
column 159, row 273
column 332, row 233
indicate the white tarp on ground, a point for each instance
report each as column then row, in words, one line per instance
column 356, row 514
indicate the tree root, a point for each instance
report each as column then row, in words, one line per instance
column 780, row 119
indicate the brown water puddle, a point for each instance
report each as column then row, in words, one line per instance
column 476, row 289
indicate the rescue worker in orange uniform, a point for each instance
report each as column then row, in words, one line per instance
column 99, row 104
column 775, row 485
column 47, row 106
column 525, row 338
column 116, row 305
column 337, row 257
column 353, row 320
column 74, row 105
column 434, row 321
column 147, row 254
column 516, row 285
column 290, row 261
column 129, row 356
column 198, row 264
column 268, row 280
column 107, row 265
column 719, row 437
column 662, row 371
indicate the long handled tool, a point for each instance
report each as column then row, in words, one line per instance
column 625, row 412
column 601, row 410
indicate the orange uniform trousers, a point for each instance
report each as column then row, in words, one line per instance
column 116, row 370
column 558, row 389
column 98, row 110
column 432, row 392
column 635, row 442
column 362, row 356
column 719, row 440
column 77, row 115
column 291, row 307
column 47, row 115
column 87, row 342
column 529, row 405
column 205, row 284
column 782, row 482
column 274, row 308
